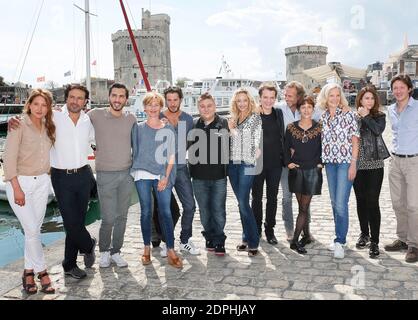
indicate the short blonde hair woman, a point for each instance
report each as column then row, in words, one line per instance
column 323, row 97
column 150, row 97
column 156, row 171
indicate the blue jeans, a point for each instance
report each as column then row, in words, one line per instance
column 242, row 180
column 184, row 190
column 144, row 188
column 339, row 190
column 211, row 198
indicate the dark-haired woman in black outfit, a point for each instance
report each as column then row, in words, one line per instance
column 368, row 182
column 303, row 158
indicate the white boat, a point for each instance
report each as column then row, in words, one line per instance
column 221, row 88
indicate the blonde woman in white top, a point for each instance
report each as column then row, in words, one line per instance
column 245, row 125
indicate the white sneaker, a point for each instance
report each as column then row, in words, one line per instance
column 163, row 250
column 338, row 251
column 331, row 246
column 116, row 258
column 104, row 260
column 190, row 248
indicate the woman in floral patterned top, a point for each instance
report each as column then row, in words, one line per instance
column 245, row 126
column 340, row 149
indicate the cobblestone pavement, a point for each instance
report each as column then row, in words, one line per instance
column 276, row 273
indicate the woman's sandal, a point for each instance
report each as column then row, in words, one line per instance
column 146, row 259
column 252, row 252
column 30, row 288
column 175, row 262
column 242, row 247
column 46, row 287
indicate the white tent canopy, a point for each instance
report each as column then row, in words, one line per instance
column 335, row 70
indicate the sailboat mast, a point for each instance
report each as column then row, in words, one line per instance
column 88, row 70
column 135, row 47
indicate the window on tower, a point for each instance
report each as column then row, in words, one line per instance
column 129, row 47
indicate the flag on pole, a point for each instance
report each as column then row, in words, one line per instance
column 67, row 74
column 94, row 63
column 40, row 79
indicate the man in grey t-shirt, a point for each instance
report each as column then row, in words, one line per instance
column 113, row 128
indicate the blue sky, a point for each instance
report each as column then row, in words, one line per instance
column 251, row 34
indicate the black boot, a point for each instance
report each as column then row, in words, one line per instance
column 272, row 239
column 156, row 243
column 270, row 235
column 362, row 241
column 307, row 237
column 294, row 245
column 374, row 250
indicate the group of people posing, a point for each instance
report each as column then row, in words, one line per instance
column 258, row 143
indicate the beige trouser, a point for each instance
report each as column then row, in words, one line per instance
column 403, row 183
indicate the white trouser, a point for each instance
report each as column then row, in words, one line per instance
column 31, row 216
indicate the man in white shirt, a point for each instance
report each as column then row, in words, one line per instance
column 72, row 177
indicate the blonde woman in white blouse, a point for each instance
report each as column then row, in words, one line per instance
column 245, row 125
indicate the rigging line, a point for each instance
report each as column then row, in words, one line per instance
column 74, row 47
column 78, row 50
column 97, row 44
column 130, row 12
column 95, row 48
column 30, row 43
column 25, row 44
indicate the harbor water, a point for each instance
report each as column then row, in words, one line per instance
column 12, row 241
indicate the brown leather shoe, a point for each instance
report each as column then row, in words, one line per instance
column 175, row 262
column 146, row 259
column 411, row 255
column 397, row 245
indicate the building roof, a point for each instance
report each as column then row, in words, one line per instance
column 325, row 72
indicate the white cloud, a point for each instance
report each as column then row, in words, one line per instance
column 245, row 62
column 252, row 34
column 353, row 43
column 271, row 26
column 226, row 19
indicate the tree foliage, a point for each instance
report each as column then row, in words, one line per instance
column 181, row 81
